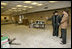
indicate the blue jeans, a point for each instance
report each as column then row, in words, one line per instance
column 63, row 34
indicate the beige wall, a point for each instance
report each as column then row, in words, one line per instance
column 37, row 15
column 8, row 18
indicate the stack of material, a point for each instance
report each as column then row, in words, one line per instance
column 4, row 42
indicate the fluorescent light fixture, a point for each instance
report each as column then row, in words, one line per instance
column 52, row 1
column 2, row 7
column 39, row 4
column 13, row 8
column 34, row 3
column 19, row 5
column 27, row 2
column 30, row 7
column 25, row 6
column 3, row 3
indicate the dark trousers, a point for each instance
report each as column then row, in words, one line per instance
column 63, row 35
column 55, row 30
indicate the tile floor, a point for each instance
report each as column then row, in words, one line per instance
column 34, row 38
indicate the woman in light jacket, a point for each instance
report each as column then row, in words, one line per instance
column 64, row 24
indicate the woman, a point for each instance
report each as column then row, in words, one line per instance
column 64, row 24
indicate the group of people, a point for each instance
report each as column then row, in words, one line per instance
column 60, row 21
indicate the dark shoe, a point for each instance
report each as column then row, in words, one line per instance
column 56, row 36
column 62, row 43
column 60, row 37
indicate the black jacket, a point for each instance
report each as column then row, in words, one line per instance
column 55, row 21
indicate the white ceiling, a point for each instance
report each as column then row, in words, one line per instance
column 12, row 4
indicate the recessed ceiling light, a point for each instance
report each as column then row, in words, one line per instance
column 34, row 3
column 2, row 7
column 3, row 3
column 25, row 6
column 19, row 5
column 13, row 8
column 52, row 1
column 27, row 2
column 39, row 4
column 30, row 7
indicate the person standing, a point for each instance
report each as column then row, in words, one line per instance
column 61, row 19
column 55, row 23
column 64, row 23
